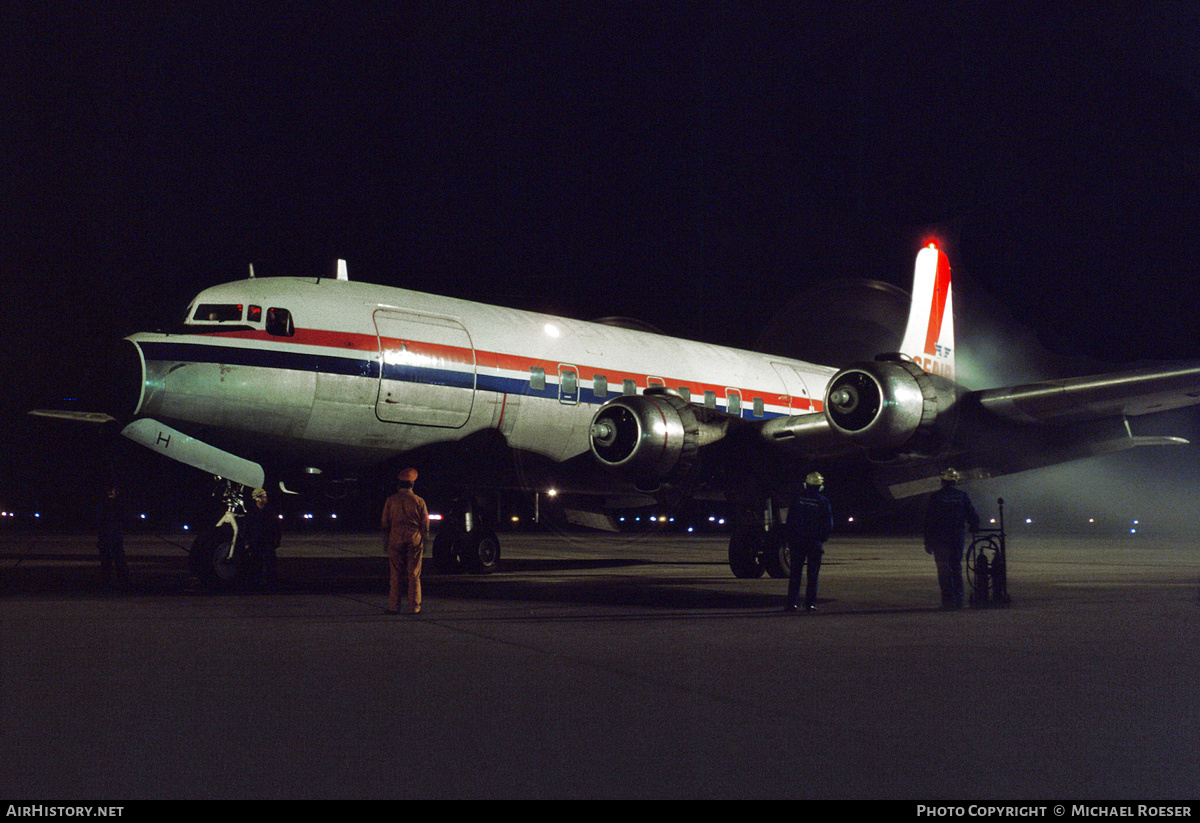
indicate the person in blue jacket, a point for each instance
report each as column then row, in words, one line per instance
column 947, row 518
column 809, row 522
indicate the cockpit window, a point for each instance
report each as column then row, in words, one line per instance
column 218, row 313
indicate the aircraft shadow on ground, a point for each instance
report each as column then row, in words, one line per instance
column 616, row 582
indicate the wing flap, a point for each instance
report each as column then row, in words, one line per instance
column 1128, row 394
column 167, row 441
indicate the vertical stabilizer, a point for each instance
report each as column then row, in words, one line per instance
column 929, row 337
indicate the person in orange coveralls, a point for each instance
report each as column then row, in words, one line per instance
column 405, row 524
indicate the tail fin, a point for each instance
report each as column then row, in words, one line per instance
column 929, row 337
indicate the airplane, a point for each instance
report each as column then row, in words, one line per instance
column 302, row 378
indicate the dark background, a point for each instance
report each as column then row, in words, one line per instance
column 696, row 165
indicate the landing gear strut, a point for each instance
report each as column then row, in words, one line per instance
column 220, row 556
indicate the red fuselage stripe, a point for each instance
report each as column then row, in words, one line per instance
column 484, row 360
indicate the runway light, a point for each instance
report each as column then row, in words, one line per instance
column 435, row 517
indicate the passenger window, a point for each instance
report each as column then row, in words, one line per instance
column 628, row 387
column 735, row 403
column 537, row 378
column 254, row 315
column 569, row 382
column 279, row 323
column 710, row 399
column 600, row 387
column 758, row 407
column 685, row 393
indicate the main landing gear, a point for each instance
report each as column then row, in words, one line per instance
column 465, row 542
column 757, row 543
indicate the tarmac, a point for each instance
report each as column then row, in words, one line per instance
column 605, row 667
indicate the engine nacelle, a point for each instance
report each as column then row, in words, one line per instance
column 888, row 405
column 650, row 437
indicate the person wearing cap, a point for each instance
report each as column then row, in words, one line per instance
column 809, row 523
column 405, row 524
column 948, row 516
column 110, row 522
column 262, row 534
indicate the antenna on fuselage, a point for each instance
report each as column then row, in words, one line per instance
column 342, row 272
column 251, row 271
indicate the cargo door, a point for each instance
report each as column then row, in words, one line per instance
column 427, row 370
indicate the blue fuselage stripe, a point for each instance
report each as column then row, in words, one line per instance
column 270, row 358
column 263, row 358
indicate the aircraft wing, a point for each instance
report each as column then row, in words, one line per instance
column 1077, row 399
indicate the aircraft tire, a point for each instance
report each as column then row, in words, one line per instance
column 484, row 556
column 210, row 561
column 776, row 559
column 449, row 556
column 744, row 555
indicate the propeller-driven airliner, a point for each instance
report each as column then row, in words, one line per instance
column 276, row 379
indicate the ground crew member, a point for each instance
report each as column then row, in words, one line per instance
column 405, row 524
column 949, row 515
column 262, row 534
column 110, row 526
column 809, row 522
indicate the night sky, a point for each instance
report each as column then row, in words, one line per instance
column 695, row 165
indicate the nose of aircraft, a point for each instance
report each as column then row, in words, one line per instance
column 112, row 381
column 108, row 386
column 122, row 395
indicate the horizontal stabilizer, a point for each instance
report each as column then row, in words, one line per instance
column 192, row 452
column 74, row 416
column 591, row 520
column 1121, row 444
